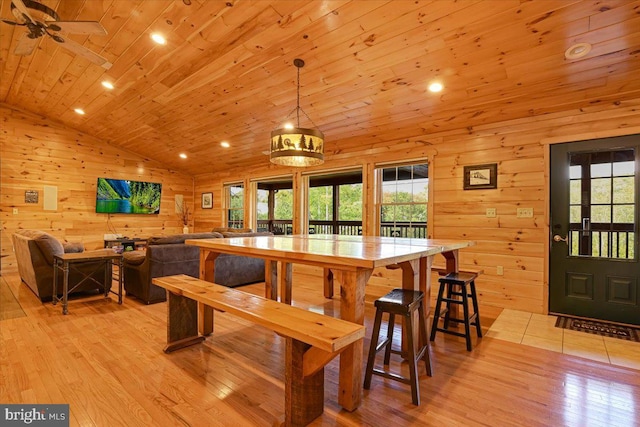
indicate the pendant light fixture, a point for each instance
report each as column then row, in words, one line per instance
column 296, row 146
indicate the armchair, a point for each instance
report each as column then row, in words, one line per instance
column 34, row 254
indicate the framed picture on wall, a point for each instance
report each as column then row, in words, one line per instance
column 207, row 200
column 481, row 177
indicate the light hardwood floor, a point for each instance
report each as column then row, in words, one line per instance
column 107, row 362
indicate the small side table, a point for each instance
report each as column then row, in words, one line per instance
column 65, row 261
column 132, row 244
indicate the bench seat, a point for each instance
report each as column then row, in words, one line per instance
column 312, row 339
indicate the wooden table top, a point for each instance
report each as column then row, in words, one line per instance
column 90, row 255
column 353, row 251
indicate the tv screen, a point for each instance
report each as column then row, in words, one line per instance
column 130, row 197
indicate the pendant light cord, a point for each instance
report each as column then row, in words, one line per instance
column 298, row 95
column 298, row 109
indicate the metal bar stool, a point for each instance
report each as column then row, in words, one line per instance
column 404, row 303
column 460, row 297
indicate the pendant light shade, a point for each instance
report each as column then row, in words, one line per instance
column 297, row 146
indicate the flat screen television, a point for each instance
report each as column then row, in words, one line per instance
column 127, row 197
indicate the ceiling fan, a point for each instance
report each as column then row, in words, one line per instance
column 51, row 25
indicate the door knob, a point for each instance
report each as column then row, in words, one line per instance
column 559, row 238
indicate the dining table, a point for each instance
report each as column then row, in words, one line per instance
column 352, row 259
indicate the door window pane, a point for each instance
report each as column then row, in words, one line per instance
column 600, row 214
column 600, row 170
column 574, row 214
column 601, row 190
column 623, row 190
column 623, row 168
column 623, row 214
column 575, row 172
column 575, row 196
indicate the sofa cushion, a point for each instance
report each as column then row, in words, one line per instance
column 73, row 247
column 49, row 245
column 134, row 257
column 180, row 238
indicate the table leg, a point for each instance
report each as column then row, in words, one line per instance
column 55, row 282
column 65, row 287
column 271, row 280
column 120, row 278
column 108, row 279
column 207, row 272
column 352, row 309
column 285, row 277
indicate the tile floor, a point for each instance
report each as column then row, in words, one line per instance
column 538, row 330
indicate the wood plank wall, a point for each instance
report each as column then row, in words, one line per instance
column 520, row 148
column 36, row 152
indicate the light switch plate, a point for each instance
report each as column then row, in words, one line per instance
column 524, row 213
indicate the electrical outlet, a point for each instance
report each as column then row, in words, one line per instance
column 491, row 212
column 15, row 211
column 500, row 270
column 524, row 212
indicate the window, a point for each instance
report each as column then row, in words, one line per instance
column 403, row 201
column 234, row 194
column 602, row 204
column 335, row 203
column 275, row 205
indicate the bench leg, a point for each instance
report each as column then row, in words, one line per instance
column 304, row 396
column 182, row 322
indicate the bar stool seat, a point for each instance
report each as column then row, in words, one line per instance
column 403, row 303
column 467, row 289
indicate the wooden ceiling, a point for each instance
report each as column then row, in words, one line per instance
column 227, row 70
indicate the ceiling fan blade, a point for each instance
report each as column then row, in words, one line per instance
column 78, row 49
column 11, row 22
column 25, row 45
column 21, row 12
column 77, row 27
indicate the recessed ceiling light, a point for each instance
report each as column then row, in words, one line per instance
column 435, row 87
column 158, row 38
column 288, row 126
column 183, row 156
column 225, row 144
column 578, row 50
column 79, row 111
column 107, row 84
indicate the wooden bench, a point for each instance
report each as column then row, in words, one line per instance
column 312, row 339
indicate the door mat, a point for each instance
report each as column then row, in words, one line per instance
column 9, row 306
column 599, row 328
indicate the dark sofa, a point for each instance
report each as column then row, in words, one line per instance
column 34, row 254
column 169, row 255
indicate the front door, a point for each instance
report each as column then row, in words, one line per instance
column 594, row 270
